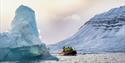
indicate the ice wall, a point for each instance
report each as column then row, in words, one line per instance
column 22, row 42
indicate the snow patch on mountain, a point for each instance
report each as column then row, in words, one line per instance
column 103, row 33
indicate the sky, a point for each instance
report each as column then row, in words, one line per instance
column 56, row 19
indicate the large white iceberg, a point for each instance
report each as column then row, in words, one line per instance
column 22, row 41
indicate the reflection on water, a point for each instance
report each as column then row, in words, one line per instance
column 22, row 62
column 37, row 61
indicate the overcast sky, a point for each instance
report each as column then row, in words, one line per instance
column 56, row 19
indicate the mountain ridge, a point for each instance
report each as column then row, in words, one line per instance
column 105, row 28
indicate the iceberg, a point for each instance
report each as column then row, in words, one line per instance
column 22, row 42
column 103, row 33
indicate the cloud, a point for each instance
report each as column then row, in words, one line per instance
column 53, row 9
column 57, row 19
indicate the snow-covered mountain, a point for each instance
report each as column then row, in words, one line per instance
column 22, row 41
column 103, row 33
